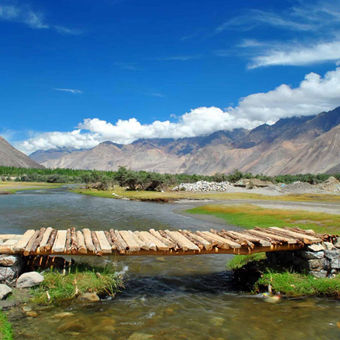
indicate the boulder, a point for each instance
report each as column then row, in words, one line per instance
column 4, row 291
column 9, row 260
column 316, row 247
column 310, row 255
column 30, row 279
column 9, row 273
column 319, row 274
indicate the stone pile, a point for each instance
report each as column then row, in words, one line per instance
column 203, row 186
column 319, row 260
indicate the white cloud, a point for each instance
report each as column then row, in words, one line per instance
column 313, row 95
column 73, row 91
column 298, row 55
column 25, row 15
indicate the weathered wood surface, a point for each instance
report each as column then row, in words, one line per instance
column 50, row 241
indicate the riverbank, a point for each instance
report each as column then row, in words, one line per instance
column 12, row 187
column 171, row 196
column 248, row 216
column 256, row 274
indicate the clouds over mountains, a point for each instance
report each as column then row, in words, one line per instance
column 314, row 94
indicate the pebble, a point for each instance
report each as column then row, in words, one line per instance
column 32, row 314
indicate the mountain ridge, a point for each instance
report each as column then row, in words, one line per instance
column 268, row 149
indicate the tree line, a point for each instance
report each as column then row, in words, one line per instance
column 143, row 180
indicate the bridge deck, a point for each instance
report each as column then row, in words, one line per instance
column 49, row 241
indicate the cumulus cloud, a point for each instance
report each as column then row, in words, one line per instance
column 313, row 95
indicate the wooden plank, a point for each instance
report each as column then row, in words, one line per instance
column 119, row 241
column 147, row 239
column 154, row 241
column 274, row 236
column 164, row 240
column 23, row 241
column 81, row 243
column 50, row 241
column 88, row 241
column 109, row 238
column 182, row 241
column 305, row 238
column 68, row 241
column 221, row 242
column 59, row 243
column 130, row 241
column 44, row 240
column 4, row 237
column 263, row 239
column 169, row 239
column 36, row 243
column 244, row 241
column 95, row 241
column 191, row 239
column 104, row 243
column 142, row 244
column 30, row 243
column 207, row 245
column 231, row 242
column 74, row 243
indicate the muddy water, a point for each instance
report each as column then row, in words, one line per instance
column 165, row 297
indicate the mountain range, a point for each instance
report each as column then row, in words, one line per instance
column 9, row 156
column 308, row 144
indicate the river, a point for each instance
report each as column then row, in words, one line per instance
column 187, row 297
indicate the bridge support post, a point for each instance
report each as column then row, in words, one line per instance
column 319, row 260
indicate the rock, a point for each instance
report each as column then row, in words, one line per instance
column 63, row 315
column 4, row 291
column 71, row 326
column 337, row 243
column 332, row 254
column 9, row 273
column 26, row 308
column 203, row 186
column 9, row 260
column 316, row 247
column 140, row 336
column 91, row 297
column 316, row 264
column 30, row 279
column 310, row 255
column 319, row 274
column 329, row 246
column 335, row 263
column 32, row 314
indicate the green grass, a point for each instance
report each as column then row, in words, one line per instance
column 296, row 284
column 13, row 187
column 64, row 287
column 177, row 195
column 239, row 261
column 250, row 216
column 5, row 328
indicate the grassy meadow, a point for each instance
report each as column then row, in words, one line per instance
column 12, row 187
column 166, row 196
column 250, row 216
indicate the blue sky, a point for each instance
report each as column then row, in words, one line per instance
column 75, row 73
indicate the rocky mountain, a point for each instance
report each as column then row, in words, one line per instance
column 291, row 145
column 9, row 156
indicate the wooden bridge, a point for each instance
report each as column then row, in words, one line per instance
column 49, row 241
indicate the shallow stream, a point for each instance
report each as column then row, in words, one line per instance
column 186, row 297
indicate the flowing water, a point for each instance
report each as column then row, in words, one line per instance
column 187, row 297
